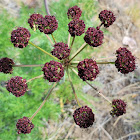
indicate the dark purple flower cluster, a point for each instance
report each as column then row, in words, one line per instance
column 24, row 125
column 119, row 108
column 76, row 27
column 48, row 24
column 53, row 71
column 83, row 117
column 94, row 37
column 74, row 12
column 20, row 37
column 6, row 65
column 17, row 86
column 125, row 62
column 35, row 20
column 107, row 18
column 61, row 50
column 87, row 69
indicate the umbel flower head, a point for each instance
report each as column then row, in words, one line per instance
column 61, row 50
column 107, row 18
column 20, row 37
column 24, row 125
column 83, row 117
column 53, row 71
column 48, row 24
column 17, row 86
column 35, row 20
column 94, row 37
column 6, row 65
column 76, row 27
column 125, row 62
column 87, row 69
column 74, row 12
column 119, row 107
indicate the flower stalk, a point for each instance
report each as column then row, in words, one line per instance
column 53, row 38
column 105, row 62
column 39, row 65
column 43, row 51
column 76, row 62
column 43, row 102
column 37, row 77
column 49, row 39
column 94, row 88
column 69, row 39
column 112, row 57
column 73, row 88
column 73, row 38
column 78, row 51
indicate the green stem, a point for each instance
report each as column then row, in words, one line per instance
column 43, row 102
column 94, row 88
column 79, row 50
column 35, row 78
column 43, row 51
column 73, row 88
column 39, row 65
column 72, row 42
column 76, row 62
column 53, row 38
column 73, row 66
column 69, row 39
column 112, row 57
column 105, row 62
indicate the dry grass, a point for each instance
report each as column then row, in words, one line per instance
column 116, row 85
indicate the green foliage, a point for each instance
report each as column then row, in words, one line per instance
column 65, row 92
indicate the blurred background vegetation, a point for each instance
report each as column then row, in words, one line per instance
column 12, row 108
